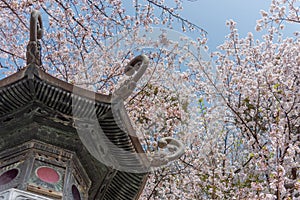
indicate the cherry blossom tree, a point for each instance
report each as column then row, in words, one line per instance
column 237, row 113
column 258, row 85
column 246, row 132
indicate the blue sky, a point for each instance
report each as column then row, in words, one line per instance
column 212, row 15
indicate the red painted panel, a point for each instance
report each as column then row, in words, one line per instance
column 48, row 174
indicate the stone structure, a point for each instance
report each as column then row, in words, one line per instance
column 38, row 138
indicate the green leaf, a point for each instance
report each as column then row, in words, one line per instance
column 276, row 86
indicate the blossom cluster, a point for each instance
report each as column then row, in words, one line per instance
column 236, row 110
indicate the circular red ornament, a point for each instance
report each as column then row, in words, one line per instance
column 47, row 175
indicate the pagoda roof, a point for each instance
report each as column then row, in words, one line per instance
column 32, row 102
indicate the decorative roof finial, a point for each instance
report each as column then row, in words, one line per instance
column 33, row 54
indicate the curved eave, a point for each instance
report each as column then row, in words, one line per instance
column 31, row 84
column 32, row 71
column 48, row 83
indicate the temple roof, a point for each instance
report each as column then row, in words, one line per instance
column 33, row 102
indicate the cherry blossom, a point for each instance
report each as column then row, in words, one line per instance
column 236, row 110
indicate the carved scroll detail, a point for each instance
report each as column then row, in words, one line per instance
column 33, row 54
column 175, row 150
column 136, row 68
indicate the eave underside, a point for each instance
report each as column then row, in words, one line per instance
column 43, row 105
